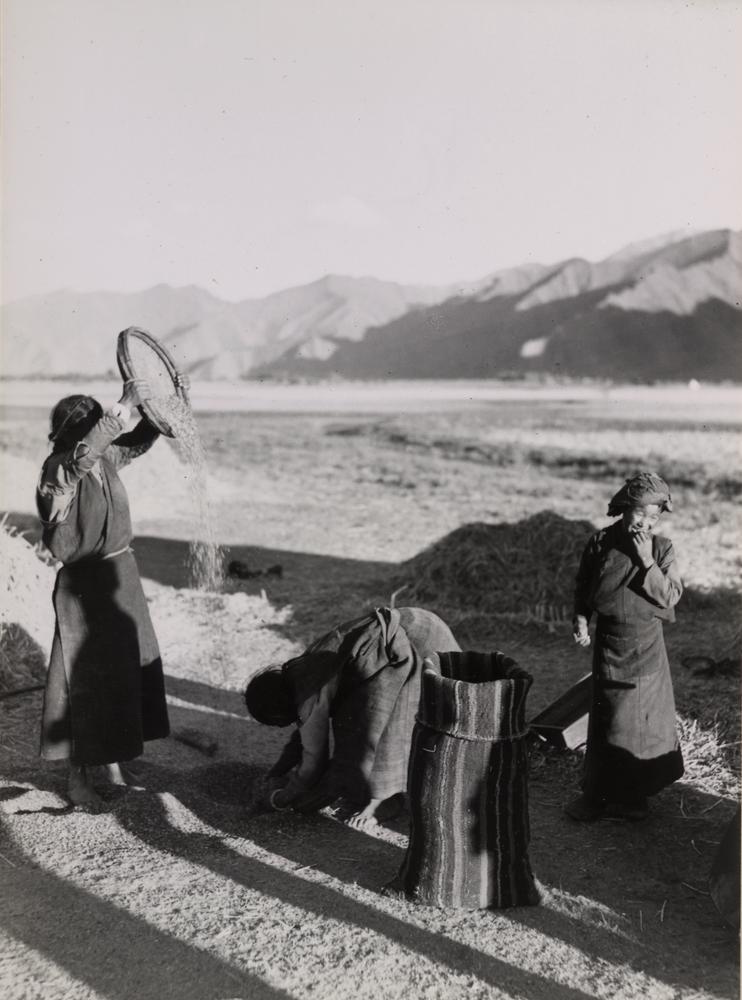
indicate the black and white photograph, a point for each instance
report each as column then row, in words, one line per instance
column 370, row 499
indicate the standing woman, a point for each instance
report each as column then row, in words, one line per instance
column 628, row 577
column 105, row 691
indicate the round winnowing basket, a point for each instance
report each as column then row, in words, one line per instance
column 140, row 355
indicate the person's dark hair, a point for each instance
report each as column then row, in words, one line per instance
column 71, row 419
column 268, row 697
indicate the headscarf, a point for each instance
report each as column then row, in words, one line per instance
column 268, row 697
column 641, row 490
column 72, row 418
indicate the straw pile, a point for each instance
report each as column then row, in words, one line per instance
column 26, row 615
column 524, row 571
column 710, row 752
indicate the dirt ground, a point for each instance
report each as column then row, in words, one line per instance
column 185, row 887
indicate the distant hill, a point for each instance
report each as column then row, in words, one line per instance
column 73, row 333
column 660, row 311
column 666, row 308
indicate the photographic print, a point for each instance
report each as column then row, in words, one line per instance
column 370, row 425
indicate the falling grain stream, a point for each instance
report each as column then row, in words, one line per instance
column 205, row 556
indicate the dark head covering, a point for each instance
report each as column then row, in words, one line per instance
column 269, row 698
column 641, row 490
column 72, row 418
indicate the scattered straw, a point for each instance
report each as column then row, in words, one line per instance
column 709, row 808
column 701, row 892
column 26, row 613
column 706, row 763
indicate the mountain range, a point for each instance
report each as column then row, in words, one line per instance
column 663, row 309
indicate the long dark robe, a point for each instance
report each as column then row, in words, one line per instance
column 105, row 692
column 632, row 745
column 360, row 685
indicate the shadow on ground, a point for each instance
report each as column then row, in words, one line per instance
column 288, row 838
column 600, row 870
column 631, row 894
column 105, row 947
column 598, row 878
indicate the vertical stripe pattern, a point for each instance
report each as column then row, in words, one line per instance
column 468, row 787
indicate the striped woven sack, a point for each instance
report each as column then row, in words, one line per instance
column 468, row 787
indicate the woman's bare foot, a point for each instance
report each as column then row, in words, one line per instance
column 79, row 788
column 366, row 817
column 116, row 774
column 122, row 775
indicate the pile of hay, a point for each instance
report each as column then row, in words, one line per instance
column 524, row 571
column 26, row 614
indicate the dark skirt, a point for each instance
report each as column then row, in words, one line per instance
column 105, row 690
column 468, row 787
column 632, row 744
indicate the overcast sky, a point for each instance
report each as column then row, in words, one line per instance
column 247, row 146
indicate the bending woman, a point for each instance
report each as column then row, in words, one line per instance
column 359, row 683
column 105, row 691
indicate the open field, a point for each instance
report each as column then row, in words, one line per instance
column 185, row 889
column 709, row 403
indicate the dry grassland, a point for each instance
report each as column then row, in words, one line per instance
column 187, row 889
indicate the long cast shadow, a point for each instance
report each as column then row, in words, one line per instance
column 166, row 560
column 577, row 858
column 556, row 868
column 563, row 855
column 116, row 954
column 148, row 821
column 219, row 794
column 320, row 589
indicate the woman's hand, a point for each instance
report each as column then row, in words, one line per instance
column 182, row 381
column 640, row 544
column 136, row 391
column 579, row 631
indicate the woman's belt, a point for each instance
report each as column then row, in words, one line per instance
column 92, row 559
column 118, row 552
